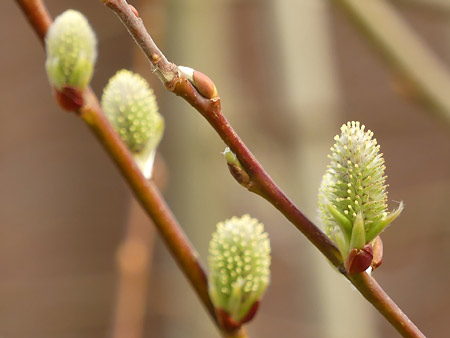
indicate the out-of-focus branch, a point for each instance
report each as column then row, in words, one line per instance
column 258, row 181
column 438, row 7
column 403, row 49
column 37, row 15
column 150, row 199
column 145, row 191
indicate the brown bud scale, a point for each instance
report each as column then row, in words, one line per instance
column 225, row 321
column 239, row 174
column 249, row 316
column 204, row 85
column 69, row 98
column 359, row 260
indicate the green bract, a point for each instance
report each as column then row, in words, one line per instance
column 71, row 48
column 352, row 196
column 131, row 107
column 239, row 260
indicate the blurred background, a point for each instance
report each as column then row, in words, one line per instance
column 78, row 258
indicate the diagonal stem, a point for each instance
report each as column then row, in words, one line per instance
column 145, row 191
column 374, row 293
column 261, row 182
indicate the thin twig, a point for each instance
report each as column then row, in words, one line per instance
column 211, row 110
column 38, row 17
column 402, row 48
column 145, row 191
column 373, row 292
column 150, row 199
column 261, row 183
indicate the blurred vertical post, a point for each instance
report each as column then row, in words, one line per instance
column 134, row 265
column 311, row 96
column 134, row 256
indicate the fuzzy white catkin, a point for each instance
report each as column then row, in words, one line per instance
column 131, row 107
column 239, row 262
column 71, row 48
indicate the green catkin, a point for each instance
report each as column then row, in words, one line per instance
column 131, row 107
column 71, row 48
column 354, row 189
column 239, row 261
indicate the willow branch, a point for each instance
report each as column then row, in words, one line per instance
column 373, row 292
column 150, row 198
column 404, row 50
column 210, row 108
column 153, row 203
column 258, row 180
column 145, row 191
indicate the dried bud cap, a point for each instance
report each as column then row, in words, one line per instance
column 71, row 48
column 352, row 196
column 239, row 261
column 131, row 107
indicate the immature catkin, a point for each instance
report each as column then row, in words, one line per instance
column 239, row 261
column 130, row 105
column 71, row 48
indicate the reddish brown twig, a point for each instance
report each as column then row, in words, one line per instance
column 37, row 15
column 373, row 292
column 145, row 191
column 260, row 182
column 210, row 108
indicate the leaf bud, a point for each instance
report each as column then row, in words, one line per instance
column 235, row 168
column 204, row 85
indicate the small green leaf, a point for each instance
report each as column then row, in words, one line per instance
column 358, row 234
column 378, row 227
column 344, row 222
